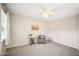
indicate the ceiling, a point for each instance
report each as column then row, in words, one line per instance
column 32, row 10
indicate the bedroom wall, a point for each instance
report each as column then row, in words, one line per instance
column 64, row 31
column 21, row 28
column 78, row 32
column 0, row 34
column 0, row 29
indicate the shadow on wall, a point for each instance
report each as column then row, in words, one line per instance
column 48, row 40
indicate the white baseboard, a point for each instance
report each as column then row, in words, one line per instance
column 67, row 45
column 16, row 45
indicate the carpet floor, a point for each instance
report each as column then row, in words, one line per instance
column 48, row 49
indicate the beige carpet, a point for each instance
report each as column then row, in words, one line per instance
column 48, row 49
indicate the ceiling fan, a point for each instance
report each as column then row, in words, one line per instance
column 45, row 12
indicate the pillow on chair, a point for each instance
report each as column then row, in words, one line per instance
column 41, row 39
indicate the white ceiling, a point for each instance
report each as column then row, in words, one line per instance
column 32, row 10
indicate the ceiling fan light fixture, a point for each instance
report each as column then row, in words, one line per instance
column 46, row 13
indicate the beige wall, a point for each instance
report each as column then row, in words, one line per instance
column 21, row 28
column 0, row 34
column 0, row 28
column 78, row 31
column 64, row 31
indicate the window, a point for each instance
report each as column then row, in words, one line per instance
column 3, row 25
